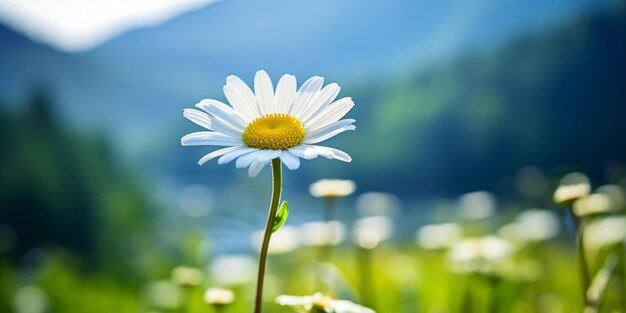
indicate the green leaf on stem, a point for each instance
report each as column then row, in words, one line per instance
column 281, row 216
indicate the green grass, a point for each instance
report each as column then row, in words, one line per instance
column 400, row 278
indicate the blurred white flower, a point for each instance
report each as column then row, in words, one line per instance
column 592, row 204
column 332, row 188
column 532, row 226
column 367, row 239
column 572, row 186
column 377, row 203
column 605, row 231
column 219, row 296
column 369, row 231
column 231, row 270
column 283, row 241
column 615, row 193
column 321, row 303
column 513, row 232
column 483, row 255
column 382, row 225
column 187, row 276
column 263, row 125
column 477, row 205
column 30, row 299
column 163, row 295
column 438, row 236
column 323, row 233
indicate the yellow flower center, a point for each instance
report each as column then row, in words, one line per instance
column 274, row 132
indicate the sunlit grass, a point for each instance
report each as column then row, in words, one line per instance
column 403, row 278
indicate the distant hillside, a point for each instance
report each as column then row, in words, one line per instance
column 158, row 70
column 424, row 122
column 547, row 100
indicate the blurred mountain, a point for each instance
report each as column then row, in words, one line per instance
column 240, row 36
column 155, row 72
column 554, row 100
column 455, row 94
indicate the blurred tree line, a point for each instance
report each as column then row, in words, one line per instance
column 60, row 188
column 554, row 99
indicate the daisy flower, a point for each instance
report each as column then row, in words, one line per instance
column 319, row 303
column 332, row 188
column 219, row 296
column 259, row 126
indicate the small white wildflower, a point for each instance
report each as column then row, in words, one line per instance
column 484, row 255
column 370, row 231
column 187, row 276
column 572, row 186
column 332, row 188
column 538, row 225
column 605, row 231
column 219, row 296
column 231, row 270
column 319, row 303
column 323, row 233
column 592, row 204
column 438, row 236
column 477, row 205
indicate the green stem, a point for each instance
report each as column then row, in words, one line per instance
column 276, row 191
column 600, row 285
column 582, row 257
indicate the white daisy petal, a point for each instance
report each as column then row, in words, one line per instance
column 269, row 155
column 209, row 139
column 332, row 113
column 264, row 93
column 285, row 93
column 321, row 100
column 235, row 154
column 332, row 153
column 305, row 152
column 291, row 161
column 307, row 91
column 329, row 128
column 217, row 153
column 245, row 92
column 247, row 159
column 325, row 136
column 242, row 106
column 255, row 168
column 261, row 156
column 293, row 300
column 223, row 111
column 200, row 118
column 225, row 128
